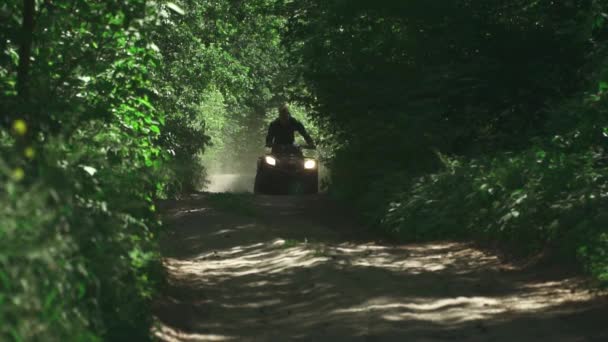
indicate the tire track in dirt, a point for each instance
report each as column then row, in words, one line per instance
column 301, row 269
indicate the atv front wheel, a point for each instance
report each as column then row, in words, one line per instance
column 258, row 185
column 311, row 186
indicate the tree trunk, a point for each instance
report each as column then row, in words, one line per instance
column 25, row 50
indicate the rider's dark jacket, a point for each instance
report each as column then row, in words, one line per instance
column 279, row 134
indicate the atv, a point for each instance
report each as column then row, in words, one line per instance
column 285, row 171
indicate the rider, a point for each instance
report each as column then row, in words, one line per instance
column 282, row 129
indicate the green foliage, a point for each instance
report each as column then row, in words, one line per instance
column 78, row 246
column 551, row 196
column 475, row 119
column 80, row 167
column 43, row 280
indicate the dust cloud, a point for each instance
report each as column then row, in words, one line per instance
column 230, row 168
column 234, row 175
column 228, row 182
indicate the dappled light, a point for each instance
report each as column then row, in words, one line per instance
column 297, row 277
column 171, row 335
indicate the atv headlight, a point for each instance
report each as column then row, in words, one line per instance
column 270, row 161
column 310, row 164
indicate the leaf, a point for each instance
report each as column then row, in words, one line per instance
column 145, row 102
column 50, row 299
column 81, row 290
column 155, row 129
column 177, row 9
column 603, row 86
column 5, row 281
column 521, row 200
column 90, row 170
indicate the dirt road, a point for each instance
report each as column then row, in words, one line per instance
column 300, row 269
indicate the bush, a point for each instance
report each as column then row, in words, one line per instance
column 78, row 252
column 551, row 195
column 504, row 97
column 80, row 166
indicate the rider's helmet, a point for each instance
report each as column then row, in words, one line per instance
column 284, row 113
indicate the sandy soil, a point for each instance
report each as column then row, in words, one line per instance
column 300, row 269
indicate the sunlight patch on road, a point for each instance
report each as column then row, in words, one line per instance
column 263, row 274
column 182, row 213
column 269, row 258
column 234, row 230
column 445, row 310
column 273, row 257
column 415, row 260
column 168, row 334
column 255, row 305
column 534, row 298
column 414, row 266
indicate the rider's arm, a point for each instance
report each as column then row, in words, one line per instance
column 270, row 135
column 300, row 128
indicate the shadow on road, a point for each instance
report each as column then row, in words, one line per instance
column 301, row 269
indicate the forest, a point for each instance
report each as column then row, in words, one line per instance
column 476, row 120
